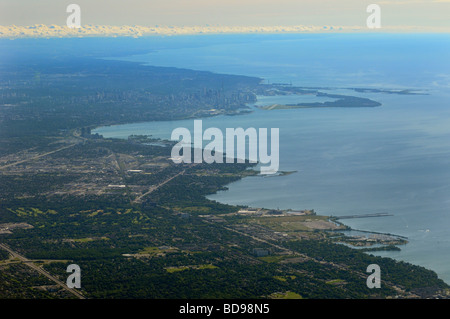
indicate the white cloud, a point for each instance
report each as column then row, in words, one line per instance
column 41, row 30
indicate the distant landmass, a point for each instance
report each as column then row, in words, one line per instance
column 341, row 100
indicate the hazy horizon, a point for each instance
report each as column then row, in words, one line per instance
column 425, row 14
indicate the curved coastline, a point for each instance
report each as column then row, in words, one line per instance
column 253, row 109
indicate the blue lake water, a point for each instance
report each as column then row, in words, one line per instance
column 394, row 158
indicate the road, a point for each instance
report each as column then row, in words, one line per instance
column 154, row 188
column 362, row 275
column 37, row 156
column 40, row 270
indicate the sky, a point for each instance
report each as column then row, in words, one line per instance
column 418, row 13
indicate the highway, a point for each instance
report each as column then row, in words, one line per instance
column 37, row 156
column 40, row 270
column 154, row 188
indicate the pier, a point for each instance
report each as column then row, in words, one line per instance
column 363, row 216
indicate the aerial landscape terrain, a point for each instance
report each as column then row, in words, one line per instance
column 140, row 226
